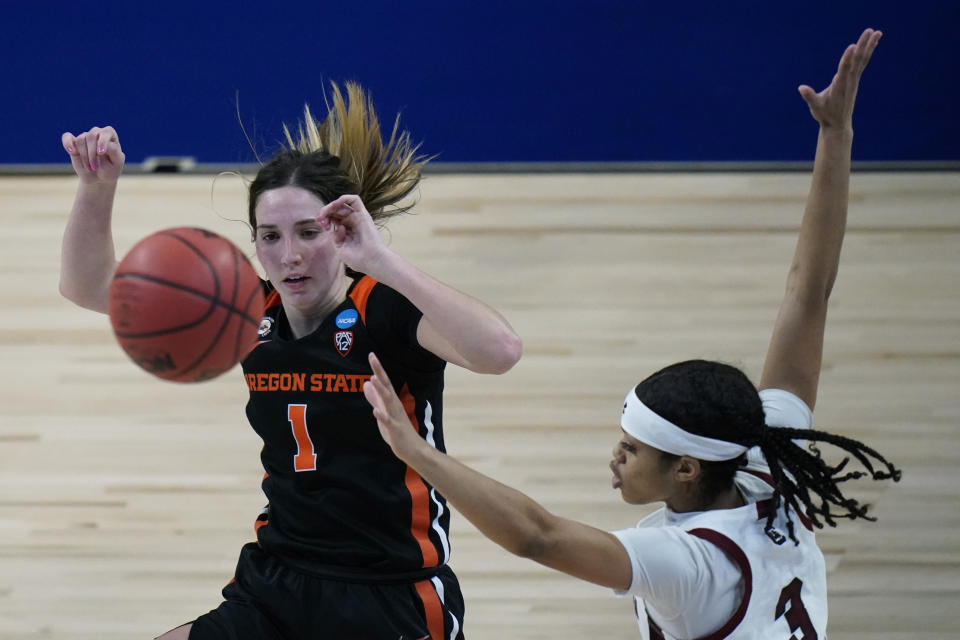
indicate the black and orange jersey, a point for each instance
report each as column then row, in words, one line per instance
column 340, row 502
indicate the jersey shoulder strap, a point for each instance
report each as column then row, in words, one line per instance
column 360, row 294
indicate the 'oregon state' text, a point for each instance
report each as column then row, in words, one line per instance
column 326, row 382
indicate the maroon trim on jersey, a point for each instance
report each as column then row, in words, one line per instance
column 656, row 633
column 808, row 525
column 764, row 506
column 360, row 293
column 766, row 477
column 736, row 554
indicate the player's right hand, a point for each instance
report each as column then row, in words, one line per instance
column 392, row 419
column 96, row 154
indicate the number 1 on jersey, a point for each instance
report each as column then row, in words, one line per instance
column 306, row 458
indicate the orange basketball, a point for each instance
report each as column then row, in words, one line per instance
column 185, row 304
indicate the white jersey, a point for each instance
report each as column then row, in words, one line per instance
column 717, row 574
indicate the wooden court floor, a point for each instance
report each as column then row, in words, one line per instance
column 124, row 500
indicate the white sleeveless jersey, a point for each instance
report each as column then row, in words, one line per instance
column 784, row 591
column 771, row 588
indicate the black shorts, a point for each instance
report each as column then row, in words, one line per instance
column 270, row 600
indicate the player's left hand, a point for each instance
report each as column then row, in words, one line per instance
column 833, row 107
column 354, row 233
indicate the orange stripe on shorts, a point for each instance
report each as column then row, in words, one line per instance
column 432, row 607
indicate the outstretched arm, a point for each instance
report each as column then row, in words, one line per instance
column 455, row 326
column 87, row 259
column 796, row 347
column 508, row 517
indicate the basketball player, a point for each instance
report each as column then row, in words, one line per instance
column 732, row 554
column 353, row 543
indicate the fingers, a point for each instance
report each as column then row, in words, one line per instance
column 847, row 60
column 373, row 388
column 67, row 140
column 868, row 40
column 89, row 148
column 340, row 210
column 379, row 373
column 807, row 93
column 108, row 145
column 856, row 57
column 398, row 429
column 352, row 226
column 380, row 386
column 113, row 153
column 868, row 46
column 88, row 144
column 77, row 148
column 379, row 391
column 373, row 397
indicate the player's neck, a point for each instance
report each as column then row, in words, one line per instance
column 730, row 499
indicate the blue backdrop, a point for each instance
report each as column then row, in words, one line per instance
column 521, row 80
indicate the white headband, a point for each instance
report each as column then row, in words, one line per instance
column 641, row 422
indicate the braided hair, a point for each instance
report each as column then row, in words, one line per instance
column 343, row 154
column 716, row 400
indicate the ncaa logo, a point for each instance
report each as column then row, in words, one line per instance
column 266, row 326
column 343, row 341
column 346, row 318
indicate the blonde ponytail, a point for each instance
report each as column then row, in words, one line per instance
column 384, row 174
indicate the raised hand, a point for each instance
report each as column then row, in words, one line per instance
column 96, row 155
column 795, row 355
column 833, row 107
column 354, row 233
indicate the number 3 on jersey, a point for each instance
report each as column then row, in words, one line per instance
column 306, row 458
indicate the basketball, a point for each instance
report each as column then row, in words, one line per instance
column 185, row 304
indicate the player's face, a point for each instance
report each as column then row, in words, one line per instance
column 639, row 472
column 299, row 258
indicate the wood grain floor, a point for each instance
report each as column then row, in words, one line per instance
column 124, row 500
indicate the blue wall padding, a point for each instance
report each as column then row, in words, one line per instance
column 517, row 81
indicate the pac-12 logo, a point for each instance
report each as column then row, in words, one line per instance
column 343, row 340
column 346, row 318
